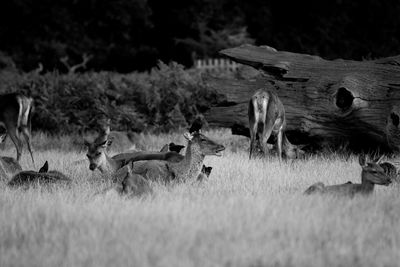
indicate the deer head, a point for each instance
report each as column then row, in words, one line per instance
column 372, row 172
column 200, row 143
column 97, row 149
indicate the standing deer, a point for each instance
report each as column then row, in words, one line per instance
column 266, row 117
column 372, row 173
column 15, row 116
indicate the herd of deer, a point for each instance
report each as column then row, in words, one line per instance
column 132, row 171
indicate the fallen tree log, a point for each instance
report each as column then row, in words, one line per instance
column 327, row 102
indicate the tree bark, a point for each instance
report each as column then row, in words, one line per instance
column 327, row 102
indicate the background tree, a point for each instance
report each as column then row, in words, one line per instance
column 127, row 35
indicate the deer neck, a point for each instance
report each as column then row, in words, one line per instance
column 367, row 186
column 109, row 165
column 3, row 174
column 190, row 166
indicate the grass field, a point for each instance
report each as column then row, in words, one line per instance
column 249, row 213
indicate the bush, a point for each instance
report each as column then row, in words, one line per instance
column 166, row 98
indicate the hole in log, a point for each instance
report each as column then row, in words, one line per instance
column 395, row 119
column 240, row 130
column 344, row 98
column 226, row 104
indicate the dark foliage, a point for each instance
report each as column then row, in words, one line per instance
column 166, row 98
column 127, row 35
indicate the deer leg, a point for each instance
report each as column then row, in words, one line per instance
column 253, row 142
column 279, row 145
column 25, row 132
column 13, row 132
column 252, row 146
column 264, row 140
column 266, row 133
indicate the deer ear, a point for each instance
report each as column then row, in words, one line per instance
column 188, row 136
column 196, row 125
column 45, row 167
column 3, row 137
column 109, row 142
column 362, row 160
column 164, row 149
column 379, row 159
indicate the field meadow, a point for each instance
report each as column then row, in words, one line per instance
column 248, row 213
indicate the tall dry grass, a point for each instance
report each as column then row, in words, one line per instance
column 249, row 213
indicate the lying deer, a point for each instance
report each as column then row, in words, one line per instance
column 15, row 116
column 267, row 116
column 205, row 171
column 42, row 177
column 8, row 166
column 372, row 173
column 188, row 169
column 99, row 159
column 134, row 185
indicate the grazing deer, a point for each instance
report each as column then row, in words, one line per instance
column 372, row 173
column 15, row 116
column 188, row 169
column 43, row 177
column 267, row 116
column 99, row 159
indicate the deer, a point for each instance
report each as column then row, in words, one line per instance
column 15, row 116
column 205, row 171
column 42, row 177
column 99, row 159
column 267, row 116
column 9, row 165
column 133, row 185
column 372, row 173
column 188, row 169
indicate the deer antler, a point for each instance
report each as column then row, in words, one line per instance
column 72, row 69
column 39, row 69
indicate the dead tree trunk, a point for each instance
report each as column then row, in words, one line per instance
column 327, row 102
